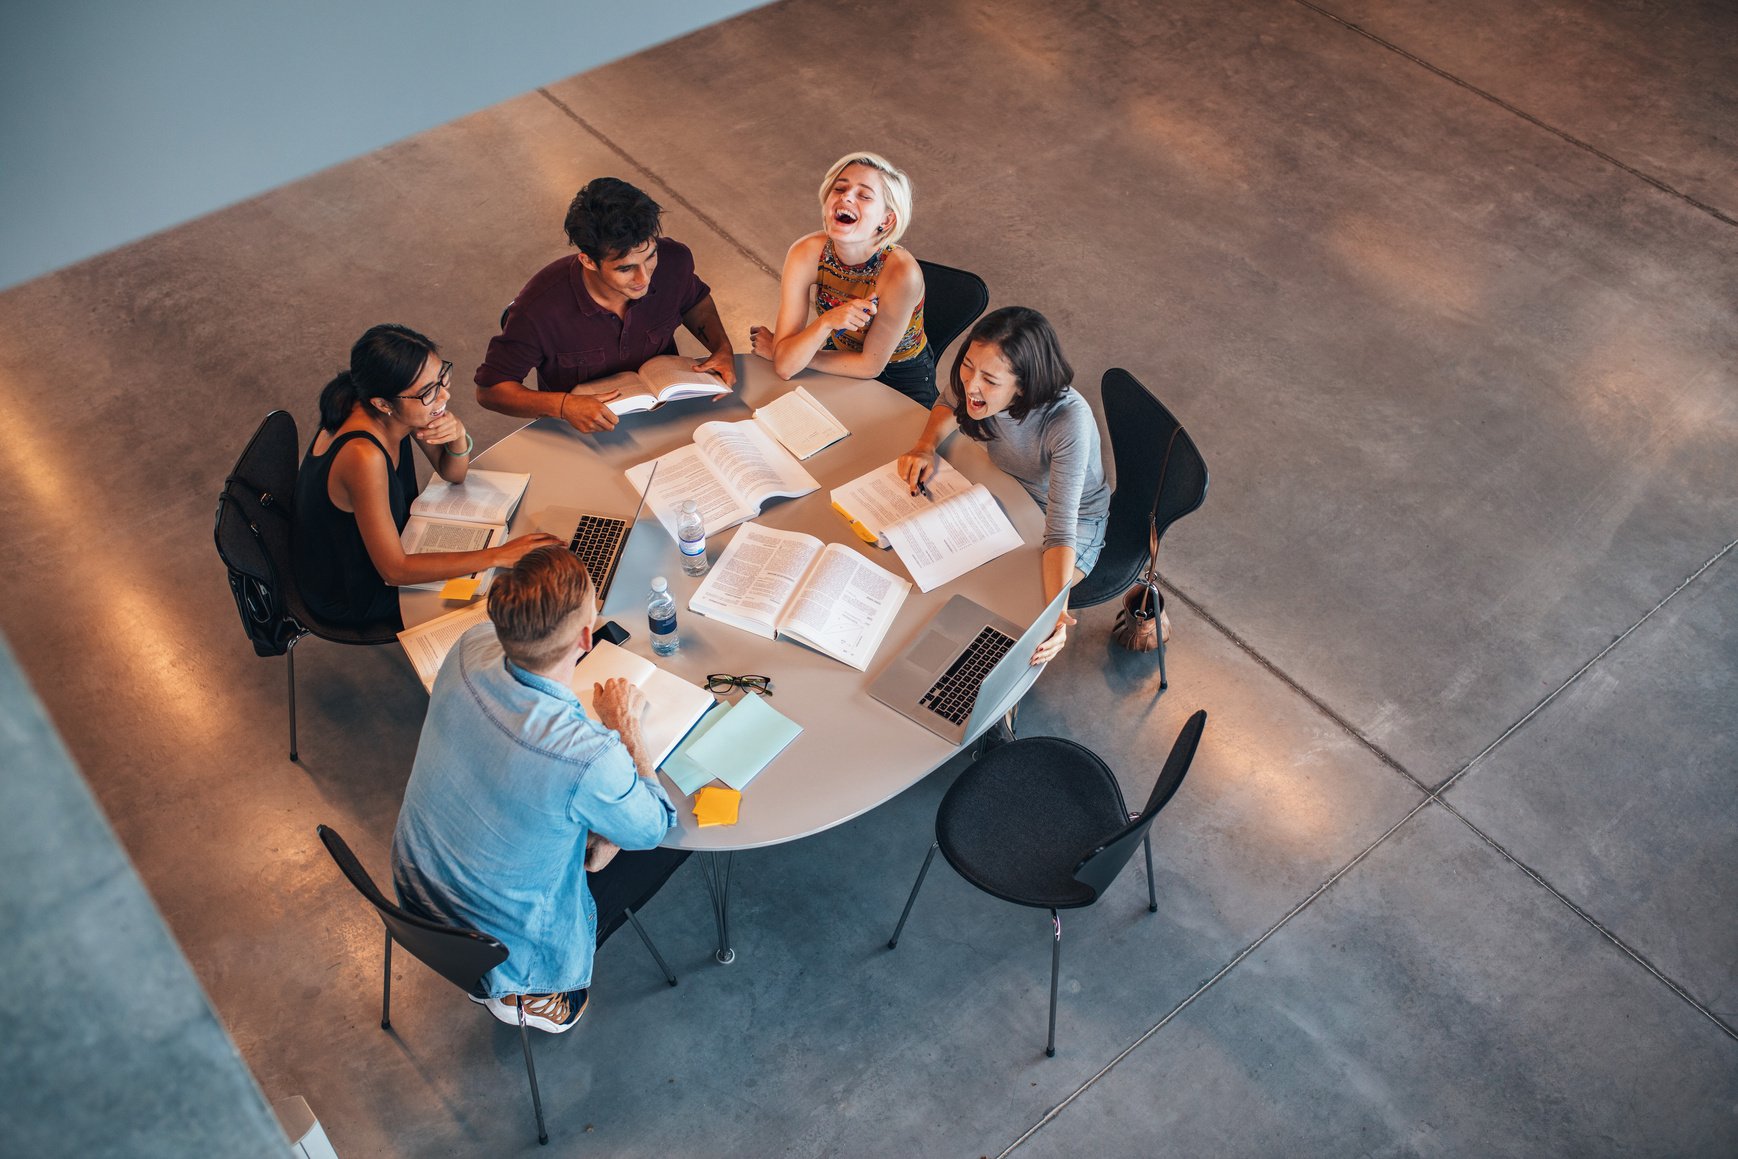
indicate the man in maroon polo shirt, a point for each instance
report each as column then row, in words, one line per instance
column 606, row 309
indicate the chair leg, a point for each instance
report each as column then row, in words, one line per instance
column 893, row 942
column 669, row 976
column 1163, row 682
column 531, row 1072
column 290, row 656
column 1055, row 970
column 386, row 987
column 1152, row 890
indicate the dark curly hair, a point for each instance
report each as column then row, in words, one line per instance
column 1028, row 342
column 609, row 217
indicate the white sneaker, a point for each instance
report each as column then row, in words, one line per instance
column 551, row 1013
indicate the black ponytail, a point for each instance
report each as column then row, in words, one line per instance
column 337, row 401
column 383, row 364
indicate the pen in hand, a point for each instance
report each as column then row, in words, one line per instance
column 923, row 489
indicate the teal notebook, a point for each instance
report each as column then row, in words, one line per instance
column 731, row 746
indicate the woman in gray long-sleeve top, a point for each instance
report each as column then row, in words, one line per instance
column 1009, row 389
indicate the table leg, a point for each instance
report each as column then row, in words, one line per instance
column 715, row 868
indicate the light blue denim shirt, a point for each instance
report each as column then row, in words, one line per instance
column 510, row 776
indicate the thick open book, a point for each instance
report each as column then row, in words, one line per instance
column 672, row 704
column 939, row 538
column 730, row 470
column 466, row 516
column 666, row 378
column 799, row 421
column 428, row 643
column 785, row 583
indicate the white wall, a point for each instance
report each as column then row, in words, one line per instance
column 119, row 118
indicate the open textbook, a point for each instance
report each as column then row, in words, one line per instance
column 428, row 643
column 672, row 704
column 466, row 516
column 957, row 527
column 799, row 421
column 784, row 583
column 730, row 470
column 666, row 378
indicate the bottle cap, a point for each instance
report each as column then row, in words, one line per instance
column 660, row 584
column 689, row 505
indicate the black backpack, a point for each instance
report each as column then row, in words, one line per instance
column 252, row 531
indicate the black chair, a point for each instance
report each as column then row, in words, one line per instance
column 1040, row 822
column 463, row 956
column 952, row 300
column 1141, row 431
column 252, row 532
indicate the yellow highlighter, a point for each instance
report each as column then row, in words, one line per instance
column 862, row 532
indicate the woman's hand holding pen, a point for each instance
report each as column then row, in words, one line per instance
column 852, row 315
column 917, row 467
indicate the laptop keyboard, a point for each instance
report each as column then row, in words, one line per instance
column 596, row 541
column 955, row 691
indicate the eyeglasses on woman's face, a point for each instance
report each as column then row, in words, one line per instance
column 724, row 682
column 441, row 382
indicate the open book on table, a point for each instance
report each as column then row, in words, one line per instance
column 730, row 470
column 939, row 538
column 466, row 516
column 799, row 421
column 784, row 583
column 666, row 378
column 428, row 643
column 672, row 704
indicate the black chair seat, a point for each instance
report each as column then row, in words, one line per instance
column 1017, row 823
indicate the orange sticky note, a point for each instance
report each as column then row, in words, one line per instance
column 460, row 589
column 716, row 805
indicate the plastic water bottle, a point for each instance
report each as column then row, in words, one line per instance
column 661, row 614
column 691, row 533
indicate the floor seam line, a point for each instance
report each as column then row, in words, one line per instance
column 705, row 218
column 1582, row 671
column 1604, row 932
column 1286, row 679
column 1522, row 113
column 1323, row 887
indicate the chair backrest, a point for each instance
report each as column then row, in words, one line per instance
column 952, row 300
column 1100, row 867
column 1140, row 429
column 459, row 955
column 252, row 533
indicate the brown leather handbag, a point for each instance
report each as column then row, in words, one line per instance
column 1141, row 625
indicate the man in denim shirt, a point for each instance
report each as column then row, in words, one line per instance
column 515, row 792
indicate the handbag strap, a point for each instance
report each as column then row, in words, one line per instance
column 1150, row 577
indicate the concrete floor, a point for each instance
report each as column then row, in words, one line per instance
column 1448, row 296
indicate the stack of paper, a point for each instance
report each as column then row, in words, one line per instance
column 731, row 745
column 939, row 537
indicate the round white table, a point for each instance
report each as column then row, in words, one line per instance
column 854, row 752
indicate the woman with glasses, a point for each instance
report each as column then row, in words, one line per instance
column 356, row 483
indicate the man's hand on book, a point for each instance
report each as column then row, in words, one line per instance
column 723, row 364
column 619, row 704
column 590, row 413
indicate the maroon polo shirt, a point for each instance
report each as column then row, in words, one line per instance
column 556, row 328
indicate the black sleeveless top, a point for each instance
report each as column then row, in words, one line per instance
column 336, row 577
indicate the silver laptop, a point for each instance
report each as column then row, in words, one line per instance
column 969, row 667
column 600, row 540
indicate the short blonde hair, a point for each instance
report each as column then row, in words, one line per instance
column 894, row 183
column 533, row 604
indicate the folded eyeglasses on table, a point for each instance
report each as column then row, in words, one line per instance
column 724, row 682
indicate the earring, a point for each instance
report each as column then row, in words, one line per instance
column 880, row 229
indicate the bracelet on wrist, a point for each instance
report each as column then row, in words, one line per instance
column 469, row 444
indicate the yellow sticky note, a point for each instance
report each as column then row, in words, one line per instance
column 460, row 589
column 716, row 805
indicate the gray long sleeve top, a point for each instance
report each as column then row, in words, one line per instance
column 1055, row 455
